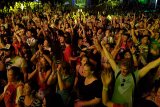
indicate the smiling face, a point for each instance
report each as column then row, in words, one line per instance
column 84, row 60
column 124, row 70
column 86, row 71
column 27, row 89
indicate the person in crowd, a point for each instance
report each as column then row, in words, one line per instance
column 90, row 92
column 122, row 88
column 14, row 88
column 41, row 72
column 11, row 59
column 106, row 78
column 79, row 78
column 155, row 95
column 39, row 41
column 29, row 99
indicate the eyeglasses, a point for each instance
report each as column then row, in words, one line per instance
column 123, row 81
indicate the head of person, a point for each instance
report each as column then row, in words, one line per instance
column 9, row 50
column 144, row 40
column 87, row 70
column 67, row 40
column 108, row 46
column 46, row 43
column 127, row 54
column 107, row 32
column 125, row 66
column 125, row 37
column 42, row 62
column 84, row 60
column 29, row 33
column 80, row 41
column 13, row 74
column 66, row 68
column 25, row 48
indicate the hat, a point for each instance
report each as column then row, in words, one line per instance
column 8, row 47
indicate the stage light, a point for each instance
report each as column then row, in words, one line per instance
column 80, row 3
column 156, row 4
column 143, row 1
column 79, row 10
column 22, row 6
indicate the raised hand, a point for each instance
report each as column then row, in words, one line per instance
column 133, row 50
column 106, row 78
column 132, row 24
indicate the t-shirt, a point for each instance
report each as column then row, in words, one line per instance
column 91, row 91
column 124, row 88
column 10, row 95
column 67, row 54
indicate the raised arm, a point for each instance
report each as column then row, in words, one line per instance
column 106, row 78
column 132, row 33
column 117, row 47
column 53, row 76
column 110, row 58
column 148, row 67
column 62, row 84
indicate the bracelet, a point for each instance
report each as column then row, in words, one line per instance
column 105, row 88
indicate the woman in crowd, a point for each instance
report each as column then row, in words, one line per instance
column 155, row 96
column 42, row 71
column 79, row 71
column 29, row 99
column 90, row 92
column 13, row 89
column 127, row 34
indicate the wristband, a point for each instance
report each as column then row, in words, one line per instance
column 105, row 88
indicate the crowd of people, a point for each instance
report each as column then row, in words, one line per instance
column 79, row 59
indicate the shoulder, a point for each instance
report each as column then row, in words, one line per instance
column 78, row 66
column 97, row 82
column 20, row 85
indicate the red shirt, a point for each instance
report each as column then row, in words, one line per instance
column 16, row 46
column 10, row 96
column 67, row 53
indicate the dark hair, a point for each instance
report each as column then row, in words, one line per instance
column 17, row 73
column 66, row 67
column 125, row 51
column 126, row 63
column 90, row 66
column 33, row 85
column 67, row 40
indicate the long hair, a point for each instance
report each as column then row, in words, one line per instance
column 17, row 73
